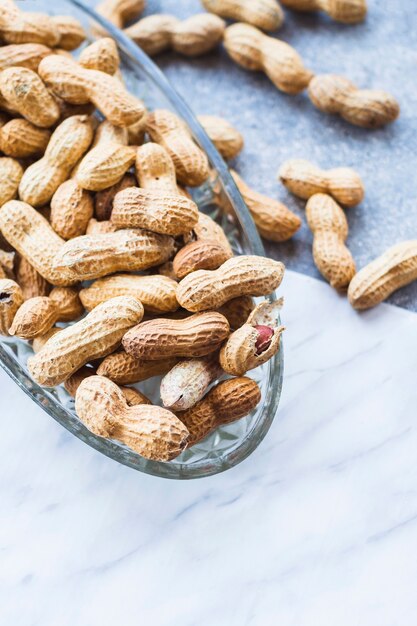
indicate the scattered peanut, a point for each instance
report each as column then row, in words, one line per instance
column 345, row 11
column 264, row 14
column 71, row 210
column 186, row 383
column 18, row 27
column 120, row 11
column 207, row 229
column 330, row 229
column 27, row 55
column 125, row 369
column 253, row 50
column 20, row 138
column 199, row 255
column 101, row 55
column 11, row 173
column 304, row 179
column 369, row 108
column 395, row 268
column 228, row 140
column 11, row 298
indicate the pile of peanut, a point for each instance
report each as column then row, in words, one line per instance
column 93, row 187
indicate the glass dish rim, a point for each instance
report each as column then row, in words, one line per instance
column 51, row 404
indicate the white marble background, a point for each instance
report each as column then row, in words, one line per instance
column 317, row 528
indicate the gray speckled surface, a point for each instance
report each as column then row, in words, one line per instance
column 380, row 53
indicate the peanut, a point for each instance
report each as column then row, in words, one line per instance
column 225, row 403
column 25, row 93
column 186, row 383
column 151, row 431
column 228, row 140
column 272, row 218
column 254, row 343
column 264, row 14
column 95, row 336
column 27, row 55
column 134, row 397
column 11, row 173
column 237, row 311
column 38, row 315
column 30, row 281
column 108, row 160
column 33, row 237
column 192, row 37
column 71, row 31
column 103, row 200
column 191, row 164
column 395, row 268
column 124, row 369
column 93, row 256
column 368, row 108
column 101, row 55
column 75, row 84
column 240, row 276
column 71, row 210
column 304, row 179
column 7, row 263
column 207, row 229
column 18, row 27
column 20, row 138
column 67, row 145
column 11, row 298
column 196, row 336
column 253, row 50
column 120, row 11
column 95, row 227
column 156, row 293
column 199, row 255
column 330, row 229
column 39, row 341
column 345, row 11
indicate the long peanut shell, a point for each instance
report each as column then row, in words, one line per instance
column 199, row 255
column 125, row 369
column 186, row 383
column 11, row 173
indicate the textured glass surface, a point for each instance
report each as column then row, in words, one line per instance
column 219, row 198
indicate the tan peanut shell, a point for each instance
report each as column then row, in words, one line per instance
column 134, row 397
column 199, row 255
column 95, row 227
column 151, row 431
column 345, row 11
column 253, row 50
column 18, row 26
column 20, row 138
column 38, row 315
column 103, row 200
column 67, row 145
column 27, row 55
column 254, row 343
column 95, row 336
column 155, row 168
column 11, row 173
column 25, row 93
column 11, row 298
column 237, row 311
column 330, row 229
column 30, row 281
column 194, row 36
column 207, row 229
column 191, row 164
column 7, row 264
column 93, row 256
column 369, row 108
column 228, row 140
column 124, row 369
column 240, row 276
column 71, row 31
column 272, row 218
column 101, row 55
column 156, row 293
column 227, row 402
column 264, row 14
column 33, row 237
column 304, row 179
column 186, row 383
column 77, row 85
column 39, row 341
column 120, row 11
column 395, row 268
column 71, row 210
column 193, row 336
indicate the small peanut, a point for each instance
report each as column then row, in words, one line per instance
column 368, row 108
column 156, row 293
column 227, row 402
column 101, row 55
column 67, row 145
column 124, row 369
column 11, row 173
column 186, row 383
column 264, row 14
column 240, row 276
column 27, row 55
column 304, row 179
column 71, row 31
column 197, row 335
column 11, row 298
column 228, row 140
column 272, row 218
column 345, row 11
column 20, row 138
column 190, row 162
column 18, row 27
column 120, row 11
column 151, row 431
column 395, row 268
column 254, row 343
column 95, row 336
column 330, row 229
column 30, row 281
column 191, row 37
column 38, row 315
column 199, row 255
column 103, row 200
column 253, row 50
column 75, row 84
column 207, row 229
column 71, row 210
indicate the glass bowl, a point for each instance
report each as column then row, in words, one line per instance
column 220, row 198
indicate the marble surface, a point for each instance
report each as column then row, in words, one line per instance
column 317, row 527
